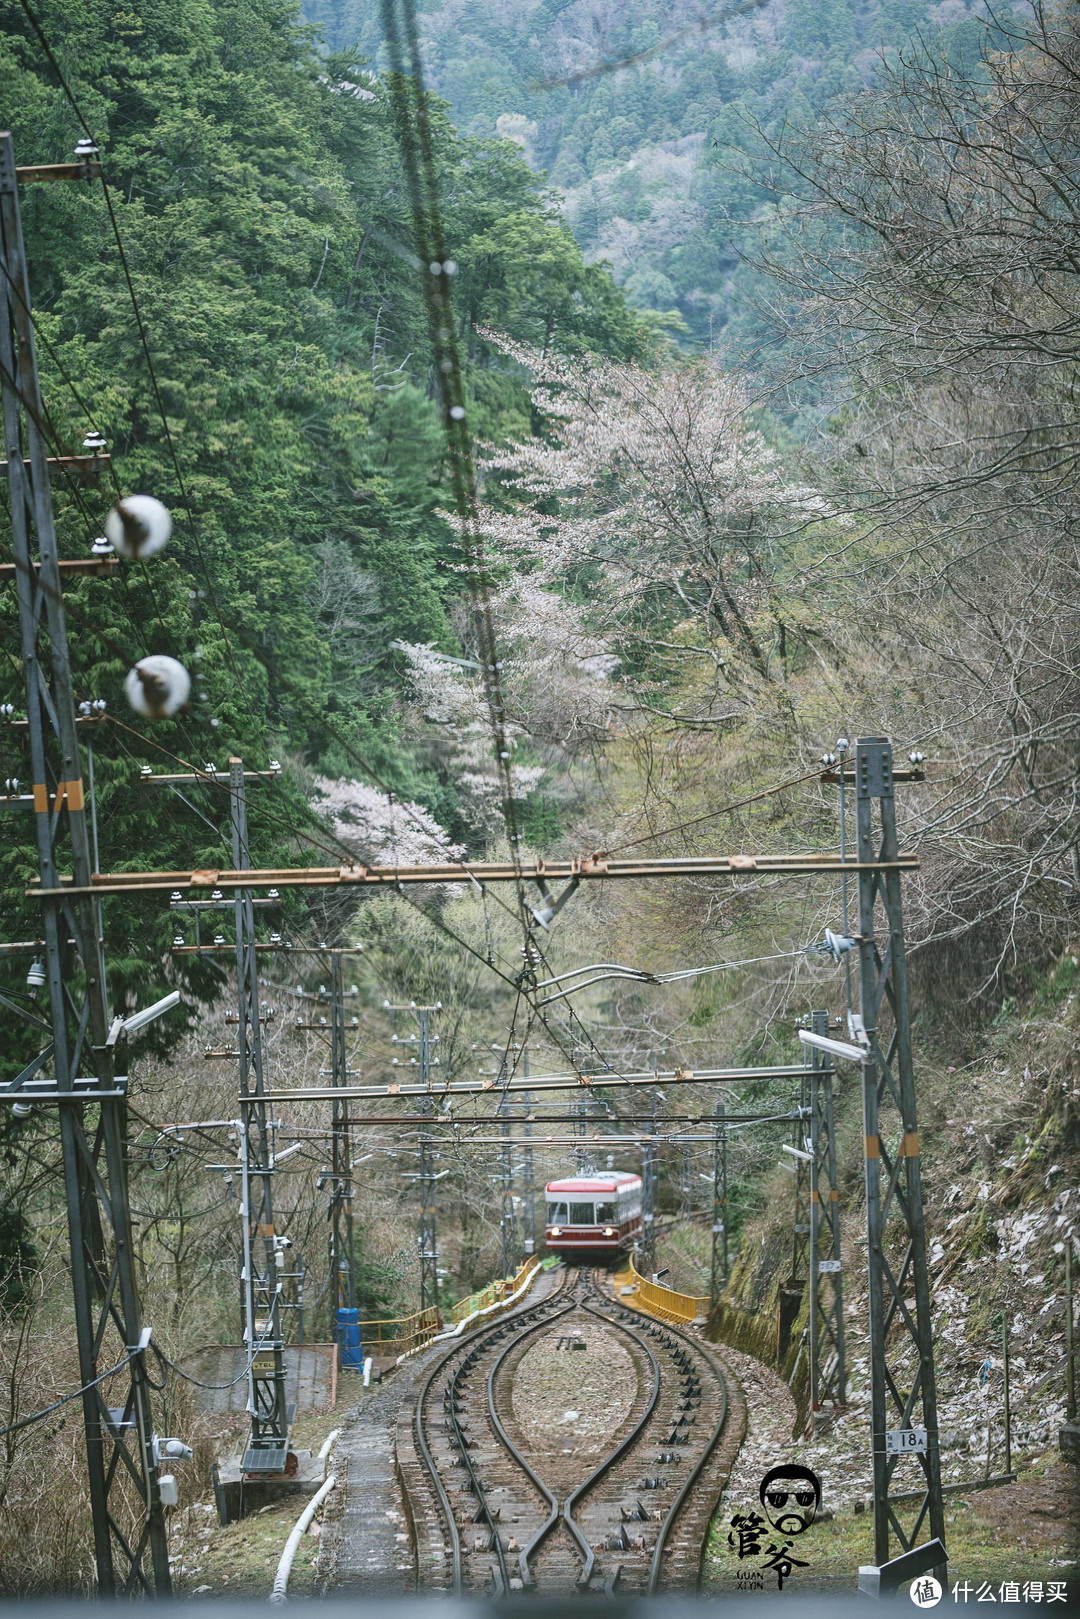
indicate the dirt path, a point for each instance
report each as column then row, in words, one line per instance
column 366, row 1546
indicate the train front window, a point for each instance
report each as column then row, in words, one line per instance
column 581, row 1214
column 605, row 1214
column 556, row 1214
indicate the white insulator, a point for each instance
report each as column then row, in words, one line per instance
column 157, row 687
column 138, row 526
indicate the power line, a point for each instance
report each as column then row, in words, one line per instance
column 39, row 1416
column 143, row 339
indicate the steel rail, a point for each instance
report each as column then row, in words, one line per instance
column 695, row 1472
column 615, row 1455
column 520, row 1332
column 474, row 1481
column 543, row 1532
column 425, row 1450
column 584, row 869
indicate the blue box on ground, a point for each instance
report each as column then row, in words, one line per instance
column 348, row 1336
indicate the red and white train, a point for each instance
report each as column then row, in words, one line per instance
column 593, row 1217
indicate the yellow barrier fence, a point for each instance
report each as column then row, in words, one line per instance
column 496, row 1292
column 400, row 1337
column 411, row 1332
column 662, row 1302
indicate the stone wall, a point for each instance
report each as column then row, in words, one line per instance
column 763, row 1313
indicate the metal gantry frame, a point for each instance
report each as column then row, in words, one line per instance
column 263, row 1248
column 903, row 1394
column 828, row 1377
column 130, row 1546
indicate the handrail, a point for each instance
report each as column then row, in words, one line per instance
column 662, row 1302
column 522, row 1281
column 495, row 1292
column 415, row 1331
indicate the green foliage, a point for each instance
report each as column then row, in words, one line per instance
column 615, row 142
column 258, row 190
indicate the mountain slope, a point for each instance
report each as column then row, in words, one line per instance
column 643, row 155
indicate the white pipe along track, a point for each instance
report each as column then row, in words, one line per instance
column 327, row 1445
column 489, row 1309
column 284, row 1568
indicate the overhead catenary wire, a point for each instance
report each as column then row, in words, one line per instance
column 250, row 646
column 712, row 815
column 436, row 268
column 704, row 25
column 530, row 939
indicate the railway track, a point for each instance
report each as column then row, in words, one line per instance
column 509, row 1488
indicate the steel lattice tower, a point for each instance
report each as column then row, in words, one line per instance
column 718, row 1264
column 90, row 1096
column 904, row 1422
column 341, row 1184
column 263, row 1249
column 828, row 1377
column 427, row 1239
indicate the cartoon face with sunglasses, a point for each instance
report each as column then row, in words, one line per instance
column 791, row 1496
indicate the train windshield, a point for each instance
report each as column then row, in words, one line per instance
column 605, row 1214
column 556, row 1214
column 581, row 1214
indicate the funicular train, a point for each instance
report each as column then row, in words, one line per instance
column 594, row 1217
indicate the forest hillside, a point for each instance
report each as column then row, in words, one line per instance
column 697, row 573
column 647, row 159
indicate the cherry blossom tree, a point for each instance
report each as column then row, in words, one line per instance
column 655, row 503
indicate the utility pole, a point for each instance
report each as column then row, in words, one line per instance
column 718, row 1267
column 528, row 1186
column 648, row 1194
column 1070, row 1358
column 904, row 1419
column 800, row 1240
column 429, row 1274
column 427, row 1244
column 341, row 1277
column 341, row 1185
column 120, row 1443
column 263, row 1248
column 507, row 1232
column 828, row 1379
